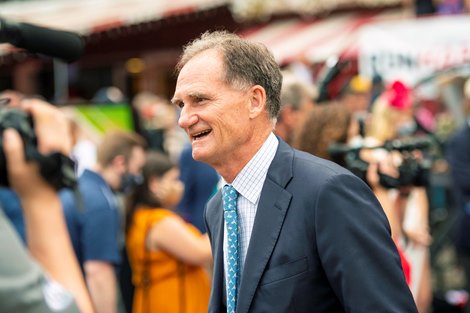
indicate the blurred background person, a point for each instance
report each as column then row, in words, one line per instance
column 93, row 218
column 356, row 97
column 406, row 202
column 48, row 278
column 168, row 257
column 200, row 183
column 325, row 125
column 145, row 108
column 458, row 157
column 84, row 144
column 356, row 94
column 156, row 119
column 296, row 100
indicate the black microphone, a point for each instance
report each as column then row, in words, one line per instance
column 60, row 44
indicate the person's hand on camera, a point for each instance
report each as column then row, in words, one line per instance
column 383, row 167
column 52, row 129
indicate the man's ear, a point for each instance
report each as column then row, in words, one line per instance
column 119, row 162
column 257, row 101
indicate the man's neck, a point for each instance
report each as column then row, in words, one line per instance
column 108, row 175
column 229, row 169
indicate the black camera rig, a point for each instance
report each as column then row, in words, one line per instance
column 57, row 169
column 412, row 171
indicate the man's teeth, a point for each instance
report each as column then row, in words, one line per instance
column 201, row 133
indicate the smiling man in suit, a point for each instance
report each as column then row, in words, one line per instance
column 306, row 235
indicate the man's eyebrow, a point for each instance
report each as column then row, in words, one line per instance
column 192, row 95
column 196, row 94
column 175, row 101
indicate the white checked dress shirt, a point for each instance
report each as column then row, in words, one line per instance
column 248, row 184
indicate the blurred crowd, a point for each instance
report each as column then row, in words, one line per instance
column 135, row 215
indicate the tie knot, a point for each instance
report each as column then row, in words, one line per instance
column 230, row 196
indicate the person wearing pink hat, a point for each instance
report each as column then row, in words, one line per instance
column 406, row 206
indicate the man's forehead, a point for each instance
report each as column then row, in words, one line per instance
column 206, row 61
column 195, row 76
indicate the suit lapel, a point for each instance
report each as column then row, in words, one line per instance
column 217, row 239
column 272, row 209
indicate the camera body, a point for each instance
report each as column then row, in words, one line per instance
column 57, row 169
column 412, row 172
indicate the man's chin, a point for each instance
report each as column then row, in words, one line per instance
column 199, row 155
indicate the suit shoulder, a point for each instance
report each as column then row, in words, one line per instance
column 312, row 165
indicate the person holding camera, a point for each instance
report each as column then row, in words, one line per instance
column 46, row 278
column 402, row 195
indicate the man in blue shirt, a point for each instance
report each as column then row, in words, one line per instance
column 200, row 183
column 93, row 214
column 11, row 205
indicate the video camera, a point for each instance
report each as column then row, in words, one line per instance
column 56, row 168
column 412, row 171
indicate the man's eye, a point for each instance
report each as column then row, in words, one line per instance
column 199, row 99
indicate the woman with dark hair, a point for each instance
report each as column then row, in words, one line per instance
column 167, row 255
column 327, row 124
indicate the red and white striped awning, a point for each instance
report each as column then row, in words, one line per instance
column 91, row 16
column 317, row 39
column 88, row 16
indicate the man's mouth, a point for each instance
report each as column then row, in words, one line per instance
column 200, row 134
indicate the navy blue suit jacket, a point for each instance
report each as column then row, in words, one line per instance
column 320, row 243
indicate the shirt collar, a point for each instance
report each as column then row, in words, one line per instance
column 250, row 180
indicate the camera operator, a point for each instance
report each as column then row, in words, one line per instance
column 403, row 195
column 48, row 279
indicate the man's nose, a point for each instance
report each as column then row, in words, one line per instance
column 187, row 118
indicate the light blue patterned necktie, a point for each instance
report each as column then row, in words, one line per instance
column 233, row 260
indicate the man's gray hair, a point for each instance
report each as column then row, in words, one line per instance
column 246, row 64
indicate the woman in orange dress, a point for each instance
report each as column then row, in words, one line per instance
column 168, row 256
